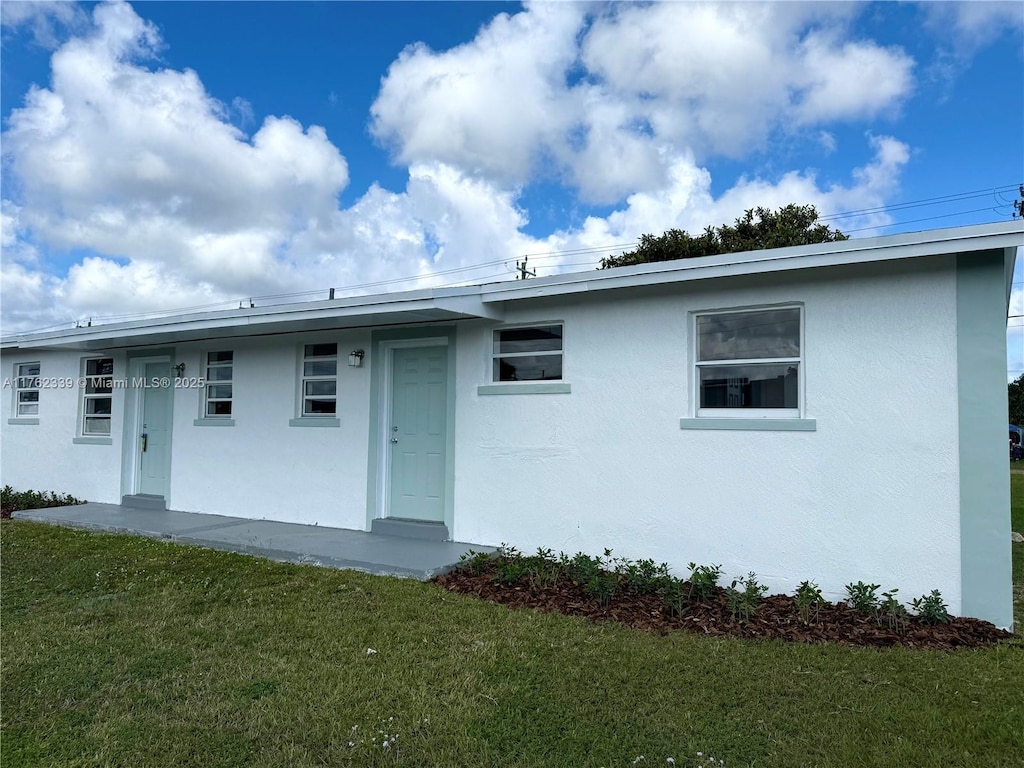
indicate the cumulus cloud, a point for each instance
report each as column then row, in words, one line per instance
column 174, row 204
column 968, row 26
column 686, row 200
column 45, row 19
column 492, row 105
column 608, row 100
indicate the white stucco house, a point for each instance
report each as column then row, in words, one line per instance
column 831, row 412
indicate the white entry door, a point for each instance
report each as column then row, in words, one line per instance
column 418, row 433
column 154, row 433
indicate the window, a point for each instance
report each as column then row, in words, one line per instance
column 320, row 380
column 528, row 354
column 219, row 369
column 97, row 397
column 26, row 389
column 749, row 361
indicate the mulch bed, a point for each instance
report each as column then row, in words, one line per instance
column 776, row 617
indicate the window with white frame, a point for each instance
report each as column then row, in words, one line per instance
column 319, row 379
column 218, row 391
column 749, row 361
column 532, row 353
column 26, row 389
column 97, row 396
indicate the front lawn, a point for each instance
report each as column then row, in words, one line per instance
column 125, row 651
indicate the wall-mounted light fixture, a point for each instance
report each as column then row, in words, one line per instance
column 180, row 369
column 355, row 358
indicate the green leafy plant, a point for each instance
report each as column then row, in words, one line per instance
column 892, row 612
column 603, row 586
column 581, row 568
column 703, row 580
column 863, row 597
column 14, row 501
column 603, row 583
column 743, row 602
column 510, row 568
column 475, row 562
column 930, row 608
column 675, row 594
column 644, row 577
column 542, row 568
column 809, row 601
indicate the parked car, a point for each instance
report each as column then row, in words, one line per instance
column 1016, row 443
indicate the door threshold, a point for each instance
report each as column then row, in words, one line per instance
column 410, row 529
column 144, row 501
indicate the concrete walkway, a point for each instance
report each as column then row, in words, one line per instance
column 285, row 542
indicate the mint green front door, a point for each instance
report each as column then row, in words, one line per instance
column 155, row 436
column 418, row 433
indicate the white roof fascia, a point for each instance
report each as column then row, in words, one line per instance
column 1004, row 235
column 412, row 306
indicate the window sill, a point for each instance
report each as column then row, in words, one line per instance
column 213, row 423
column 526, row 388
column 757, row 424
column 314, row 421
column 24, row 421
column 92, row 441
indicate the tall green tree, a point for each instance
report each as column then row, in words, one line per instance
column 1015, row 390
column 756, row 229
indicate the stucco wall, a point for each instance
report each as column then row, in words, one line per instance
column 262, row 467
column 42, row 456
column 871, row 494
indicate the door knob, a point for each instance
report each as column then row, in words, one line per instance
column 394, row 439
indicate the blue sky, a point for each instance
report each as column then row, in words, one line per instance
column 168, row 155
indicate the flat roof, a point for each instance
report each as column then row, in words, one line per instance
column 487, row 300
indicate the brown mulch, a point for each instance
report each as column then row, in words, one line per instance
column 775, row 618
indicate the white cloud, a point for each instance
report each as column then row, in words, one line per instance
column 608, row 102
column 686, row 202
column 142, row 168
column 970, row 25
column 491, row 105
column 45, row 18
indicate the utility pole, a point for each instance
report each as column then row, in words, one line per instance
column 1018, row 204
column 524, row 273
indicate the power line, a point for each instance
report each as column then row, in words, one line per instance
column 926, row 218
column 957, row 197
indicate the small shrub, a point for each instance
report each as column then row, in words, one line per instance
column 14, row 501
column 581, row 568
column 863, row 597
column 510, row 567
column 474, row 562
column 542, row 568
column 603, row 586
column 644, row 577
column 675, row 595
column 809, row 601
column 703, row 580
column 892, row 612
column 930, row 608
column 743, row 602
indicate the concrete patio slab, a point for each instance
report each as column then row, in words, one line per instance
column 285, row 542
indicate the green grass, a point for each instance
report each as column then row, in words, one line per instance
column 122, row 651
